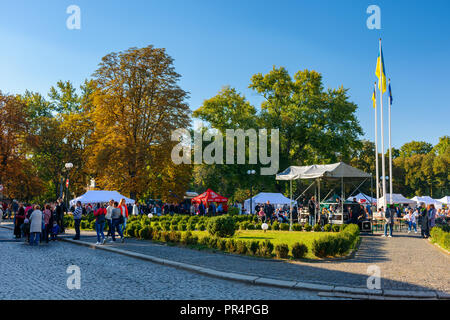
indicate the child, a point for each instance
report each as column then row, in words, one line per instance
column 55, row 231
column 26, row 229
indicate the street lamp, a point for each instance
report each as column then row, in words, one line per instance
column 68, row 166
column 251, row 172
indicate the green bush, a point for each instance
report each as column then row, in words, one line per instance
column 230, row 245
column 284, row 227
column 241, row 247
column 317, row 228
column 174, row 227
column 275, row 226
column 174, row 236
column 164, row 236
column 253, row 247
column 205, row 241
column 146, row 233
column 190, row 227
column 323, row 247
column 307, row 227
column 335, row 228
column 182, row 226
column 251, row 226
column 327, row 228
column 200, row 226
column 297, row 227
column 221, row 226
column 299, row 250
column 165, row 226
column 221, row 244
column 213, row 242
column 440, row 236
column 265, row 249
column 282, row 251
column 258, row 226
column 243, row 225
column 233, row 211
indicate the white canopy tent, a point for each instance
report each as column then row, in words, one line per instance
column 100, row 196
column 427, row 200
column 335, row 171
column 363, row 198
column 445, row 200
column 277, row 199
column 397, row 198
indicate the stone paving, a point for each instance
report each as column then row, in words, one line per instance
column 406, row 262
column 40, row 273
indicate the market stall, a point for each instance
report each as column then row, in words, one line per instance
column 276, row 199
column 209, row 196
column 100, row 196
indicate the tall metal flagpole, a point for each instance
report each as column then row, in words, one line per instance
column 376, row 148
column 383, row 162
column 390, row 148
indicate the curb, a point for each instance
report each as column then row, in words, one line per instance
column 324, row 290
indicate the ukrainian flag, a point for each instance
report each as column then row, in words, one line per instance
column 380, row 72
column 374, row 98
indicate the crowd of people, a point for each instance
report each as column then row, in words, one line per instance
column 38, row 223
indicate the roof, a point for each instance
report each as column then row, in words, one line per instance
column 100, row 196
column 336, row 170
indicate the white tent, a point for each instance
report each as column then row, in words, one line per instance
column 363, row 198
column 335, row 170
column 277, row 199
column 427, row 200
column 396, row 199
column 100, row 196
column 445, row 200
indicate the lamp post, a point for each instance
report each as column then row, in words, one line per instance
column 251, row 172
column 68, row 166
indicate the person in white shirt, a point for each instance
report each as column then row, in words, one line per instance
column 108, row 218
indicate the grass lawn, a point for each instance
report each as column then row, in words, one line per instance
column 276, row 237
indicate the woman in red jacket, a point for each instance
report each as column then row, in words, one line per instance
column 124, row 211
column 99, row 215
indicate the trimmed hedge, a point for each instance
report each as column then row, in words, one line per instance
column 221, row 226
column 440, row 236
column 299, row 250
column 336, row 245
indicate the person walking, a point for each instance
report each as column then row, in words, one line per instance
column 117, row 220
column 312, row 210
column 108, row 218
column 268, row 211
column 77, row 214
column 424, row 225
column 35, row 225
column 124, row 212
column 99, row 215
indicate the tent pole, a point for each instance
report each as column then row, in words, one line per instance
column 290, row 206
column 318, row 209
column 342, row 196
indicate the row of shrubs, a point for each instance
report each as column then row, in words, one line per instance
column 255, row 248
column 440, row 234
column 336, row 244
column 245, row 225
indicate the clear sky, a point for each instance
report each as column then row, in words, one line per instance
column 216, row 43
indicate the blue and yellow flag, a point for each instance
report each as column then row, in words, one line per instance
column 374, row 98
column 390, row 93
column 380, row 72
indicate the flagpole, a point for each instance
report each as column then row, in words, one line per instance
column 376, row 149
column 390, row 148
column 383, row 162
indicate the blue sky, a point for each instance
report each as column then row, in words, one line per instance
column 216, row 43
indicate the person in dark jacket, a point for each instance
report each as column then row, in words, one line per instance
column 19, row 218
column 425, row 226
column 268, row 211
column 312, row 210
column 60, row 209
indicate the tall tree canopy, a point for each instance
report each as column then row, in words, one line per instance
column 137, row 103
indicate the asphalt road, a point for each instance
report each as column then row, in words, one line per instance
column 41, row 273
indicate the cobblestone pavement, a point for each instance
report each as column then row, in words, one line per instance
column 406, row 262
column 40, row 273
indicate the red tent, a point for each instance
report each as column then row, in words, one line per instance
column 209, row 196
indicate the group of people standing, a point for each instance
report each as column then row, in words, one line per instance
column 115, row 214
column 37, row 224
